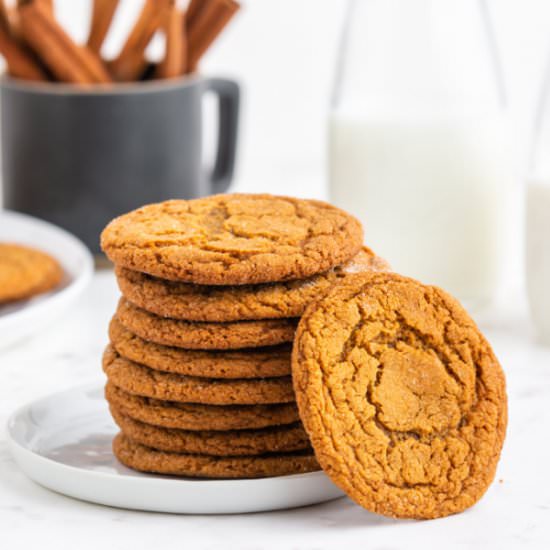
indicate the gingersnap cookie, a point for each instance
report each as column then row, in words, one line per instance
column 233, row 239
column 214, row 443
column 247, row 363
column 26, row 272
column 204, row 336
column 401, row 395
column 236, row 303
column 145, row 459
column 194, row 416
column 139, row 380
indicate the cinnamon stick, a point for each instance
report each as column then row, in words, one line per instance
column 66, row 60
column 3, row 12
column 11, row 19
column 46, row 4
column 20, row 62
column 131, row 62
column 175, row 56
column 206, row 25
column 193, row 9
column 103, row 12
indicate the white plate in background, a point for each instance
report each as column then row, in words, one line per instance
column 23, row 318
column 63, row 442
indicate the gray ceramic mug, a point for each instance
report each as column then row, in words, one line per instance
column 78, row 157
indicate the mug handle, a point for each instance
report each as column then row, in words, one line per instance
column 228, row 100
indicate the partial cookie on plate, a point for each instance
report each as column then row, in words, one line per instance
column 26, row 272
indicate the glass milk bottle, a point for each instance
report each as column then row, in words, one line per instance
column 537, row 217
column 419, row 145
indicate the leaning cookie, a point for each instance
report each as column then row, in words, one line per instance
column 145, row 459
column 26, row 272
column 402, row 397
column 236, row 303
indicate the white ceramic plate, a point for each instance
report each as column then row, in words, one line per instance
column 26, row 317
column 63, row 442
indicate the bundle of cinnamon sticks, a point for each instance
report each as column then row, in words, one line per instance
column 36, row 47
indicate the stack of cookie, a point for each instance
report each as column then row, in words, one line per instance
column 198, row 364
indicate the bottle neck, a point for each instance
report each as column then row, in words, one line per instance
column 418, row 54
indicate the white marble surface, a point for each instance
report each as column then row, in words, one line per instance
column 515, row 513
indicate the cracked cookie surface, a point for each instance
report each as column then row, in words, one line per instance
column 401, row 395
column 214, row 443
column 139, row 380
column 26, row 272
column 145, row 459
column 266, row 362
column 233, row 239
column 236, row 303
column 194, row 416
column 204, row 336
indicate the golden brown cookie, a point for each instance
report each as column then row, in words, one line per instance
column 233, row 239
column 194, row 416
column 214, row 443
column 204, row 336
column 26, row 272
column 247, row 363
column 139, row 380
column 145, row 459
column 401, row 395
column 236, row 303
